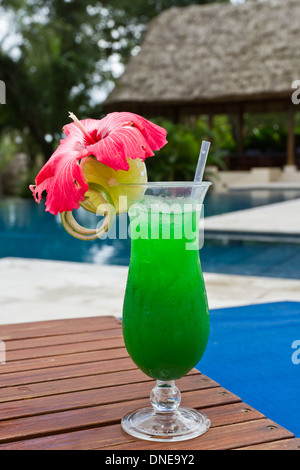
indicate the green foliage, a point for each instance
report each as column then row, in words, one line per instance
column 58, row 56
column 66, row 51
column 177, row 161
column 267, row 139
column 267, row 132
column 13, row 173
column 8, row 150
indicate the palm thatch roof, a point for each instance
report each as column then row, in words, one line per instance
column 219, row 54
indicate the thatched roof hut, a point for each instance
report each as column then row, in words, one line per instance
column 217, row 58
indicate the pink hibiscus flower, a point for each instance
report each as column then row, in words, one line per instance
column 110, row 140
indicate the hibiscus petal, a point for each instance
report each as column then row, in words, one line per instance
column 110, row 152
column 111, row 140
column 63, row 179
column 125, row 142
column 91, row 126
column 155, row 135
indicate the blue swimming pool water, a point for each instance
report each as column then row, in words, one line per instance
column 27, row 231
column 253, row 351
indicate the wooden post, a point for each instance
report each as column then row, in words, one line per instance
column 210, row 121
column 176, row 114
column 290, row 157
column 211, row 126
column 241, row 137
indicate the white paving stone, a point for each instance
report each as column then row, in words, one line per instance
column 279, row 218
column 36, row 290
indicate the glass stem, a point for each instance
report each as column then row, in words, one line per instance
column 165, row 396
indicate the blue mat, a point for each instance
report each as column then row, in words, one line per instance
column 253, row 352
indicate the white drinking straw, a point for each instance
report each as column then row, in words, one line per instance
column 200, row 167
column 201, row 161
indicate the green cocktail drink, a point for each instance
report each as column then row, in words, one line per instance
column 165, row 316
column 165, row 312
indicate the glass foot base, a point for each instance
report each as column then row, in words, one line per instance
column 179, row 425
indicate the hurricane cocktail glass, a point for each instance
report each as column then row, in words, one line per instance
column 165, row 313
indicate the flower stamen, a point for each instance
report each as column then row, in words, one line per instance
column 80, row 126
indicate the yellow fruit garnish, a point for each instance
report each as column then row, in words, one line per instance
column 109, row 180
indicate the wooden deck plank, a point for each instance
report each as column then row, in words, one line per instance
column 218, row 438
column 81, row 418
column 57, row 340
column 61, row 350
column 113, row 438
column 61, row 386
column 286, row 444
column 72, row 358
column 96, row 367
column 67, row 383
column 56, row 327
column 108, row 395
column 90, row 438
column 65, row 372
column 74, row 384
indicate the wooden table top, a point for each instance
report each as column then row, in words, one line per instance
column 67, row 383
